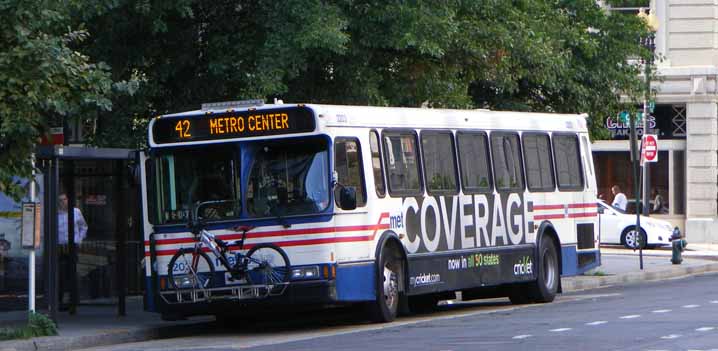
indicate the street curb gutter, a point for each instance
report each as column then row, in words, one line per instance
column 120, row 336
column 592, row 282
column 101, row 338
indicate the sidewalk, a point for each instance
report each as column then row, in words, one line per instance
column 100, row 325
column 622, row 266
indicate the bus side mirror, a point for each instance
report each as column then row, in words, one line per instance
column 600, row 209
column 348, row 198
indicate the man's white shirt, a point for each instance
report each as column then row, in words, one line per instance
column 620, row 201
column 80, row 227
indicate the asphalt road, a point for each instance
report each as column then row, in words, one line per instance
column 680, row 314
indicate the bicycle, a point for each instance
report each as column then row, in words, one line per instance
column 264, row 265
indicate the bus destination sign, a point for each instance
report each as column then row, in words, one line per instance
column 229, row 125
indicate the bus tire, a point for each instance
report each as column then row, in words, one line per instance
column 545, row 287
column 388, row 277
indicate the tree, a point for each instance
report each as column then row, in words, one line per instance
column 543, row 55
column 558, row 56
column 44, row 80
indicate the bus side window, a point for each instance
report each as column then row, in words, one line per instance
column 537, row 156
column 402, row 163
column 437, row 149
column 568, row 162
column 348, row 165
column 588, row 159
column 473, row 150
column 376, row 164
column 507, row 162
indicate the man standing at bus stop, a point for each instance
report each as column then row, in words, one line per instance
column 80, row 229
column 619, row 199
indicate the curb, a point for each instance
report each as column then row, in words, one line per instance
column 102, row 338
column 592, row 282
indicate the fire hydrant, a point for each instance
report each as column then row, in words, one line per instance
column 678, row 246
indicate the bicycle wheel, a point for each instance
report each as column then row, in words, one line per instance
column 268, row 265
column 190, row 269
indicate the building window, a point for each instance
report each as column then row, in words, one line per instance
column 679, row 120
column 679, row 182
column 615, row 168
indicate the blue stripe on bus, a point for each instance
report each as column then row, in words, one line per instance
column 356, row 282
column 150, row 300
column 570, row 260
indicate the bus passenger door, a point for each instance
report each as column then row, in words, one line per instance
column 349, row 174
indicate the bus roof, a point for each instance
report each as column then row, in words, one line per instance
column 343, row 116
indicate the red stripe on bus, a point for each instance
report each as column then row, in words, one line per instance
column 305, row 231
column 547, row 207
column 561, row 207
column 320, row 241
column 551, row 216
column 269, row 234
column 587, row 214
column 585, row 205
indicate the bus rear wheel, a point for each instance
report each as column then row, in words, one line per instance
column 388, row 279
column 545, row 287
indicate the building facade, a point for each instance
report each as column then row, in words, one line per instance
column 685, row 119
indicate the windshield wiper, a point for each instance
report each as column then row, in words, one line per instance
column 275, row 212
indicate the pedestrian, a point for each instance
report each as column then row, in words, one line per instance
column 619, row 199
column 80, row 229
column 658, row 204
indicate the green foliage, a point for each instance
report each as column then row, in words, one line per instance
column 157, row 57
column 44, row 80
column 38, row 325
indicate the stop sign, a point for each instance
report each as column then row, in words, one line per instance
column 650, row 148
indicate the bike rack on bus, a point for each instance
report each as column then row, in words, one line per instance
column 238, row 292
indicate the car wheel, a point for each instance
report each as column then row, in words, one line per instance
column 631, row 240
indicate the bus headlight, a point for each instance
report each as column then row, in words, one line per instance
column 305, row 273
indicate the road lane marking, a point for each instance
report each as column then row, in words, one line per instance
column 705, row 329
column 630, row 316
column 661, row 311
column 558, row 330
column 714, row 301
column 691, row 306
column 672, row 336
column 597, row 323
column 522, row 336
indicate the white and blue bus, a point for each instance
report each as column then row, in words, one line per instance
column 397, row 208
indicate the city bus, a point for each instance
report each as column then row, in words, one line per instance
column 394, row 208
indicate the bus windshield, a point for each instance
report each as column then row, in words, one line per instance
column 288, row 177
column 280, row 178
column 188, row 176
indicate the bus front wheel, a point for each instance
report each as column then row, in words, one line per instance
column 388, row 278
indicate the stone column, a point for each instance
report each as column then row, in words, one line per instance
column 701, row 171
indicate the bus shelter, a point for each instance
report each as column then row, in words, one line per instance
column 96, row 263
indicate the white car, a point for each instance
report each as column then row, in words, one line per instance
column 618, row 227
